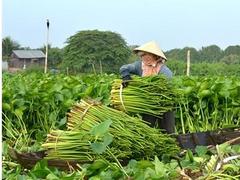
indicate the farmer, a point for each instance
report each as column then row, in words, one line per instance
column 152, row 62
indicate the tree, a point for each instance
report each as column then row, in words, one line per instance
column 194, row 54
column 95, row 50
column 231, row 59
column 231, row 55
column 8, row 45
column 211, row 53
column 55, row 56
column 181, row 54
column 174, row 54
column 133, row 57
column 232, row 50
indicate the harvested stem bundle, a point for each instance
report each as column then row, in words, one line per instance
column 132, row 138
column 144, row 95
column 68, row 145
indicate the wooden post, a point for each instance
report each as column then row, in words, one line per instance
column 188, row 62
column 24, row 64
column 93, row 67
column 100, row 66
column 46, row 55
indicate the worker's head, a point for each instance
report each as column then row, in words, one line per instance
column 150, row 50
column 149, row 57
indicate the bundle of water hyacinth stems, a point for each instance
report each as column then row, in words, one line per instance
column 151, row 95
column 132, row 138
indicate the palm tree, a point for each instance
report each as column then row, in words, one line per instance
column 8, row 45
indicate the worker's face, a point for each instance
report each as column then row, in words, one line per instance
column 147, row 57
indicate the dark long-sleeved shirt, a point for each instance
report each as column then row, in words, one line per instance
column 136, row 68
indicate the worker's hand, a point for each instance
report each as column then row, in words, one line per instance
column 125, row 80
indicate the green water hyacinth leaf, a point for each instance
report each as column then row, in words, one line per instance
column 107, row 139
column 52, row 116
column 59, row 97
column 101, row 128
column 224, row 93
column 99, row 164
column 201, row 150
column 100, row 147
column 18, row 102
column 189, row 155
column 68, row 103
column 89, row 90
column 18, row 112
column 188, row 90
column 56, row 88
column 51, row 176
column 6, row 106
column 204, row 93
column 101, row 131
column 159, row 167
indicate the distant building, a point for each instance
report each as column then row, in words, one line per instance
column 22, row 59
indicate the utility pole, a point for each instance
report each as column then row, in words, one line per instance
column 46, row 55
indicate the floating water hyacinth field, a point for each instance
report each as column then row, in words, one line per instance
column 35, row 104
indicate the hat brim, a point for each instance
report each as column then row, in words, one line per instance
column 151, row 47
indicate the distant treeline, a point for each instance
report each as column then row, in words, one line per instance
column 210, row 54
column 94, row 51
column 204, row 68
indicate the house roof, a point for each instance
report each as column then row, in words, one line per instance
column 29, row 54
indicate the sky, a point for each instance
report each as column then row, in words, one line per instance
column 171, row 23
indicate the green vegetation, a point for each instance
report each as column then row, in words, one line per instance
column 95, row 51
column 42, row 100
column 35, row 108
column 204, row 68
column 207, row 103
column 39, row 113
column 8, row 45
column 221, row 162
column 55, row 56
column 209, row 54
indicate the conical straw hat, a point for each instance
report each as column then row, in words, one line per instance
column 151, row 47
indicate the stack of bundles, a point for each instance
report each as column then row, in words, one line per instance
column 144, row 95
column 132, row 138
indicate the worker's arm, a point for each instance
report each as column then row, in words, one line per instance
column 128, row 69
